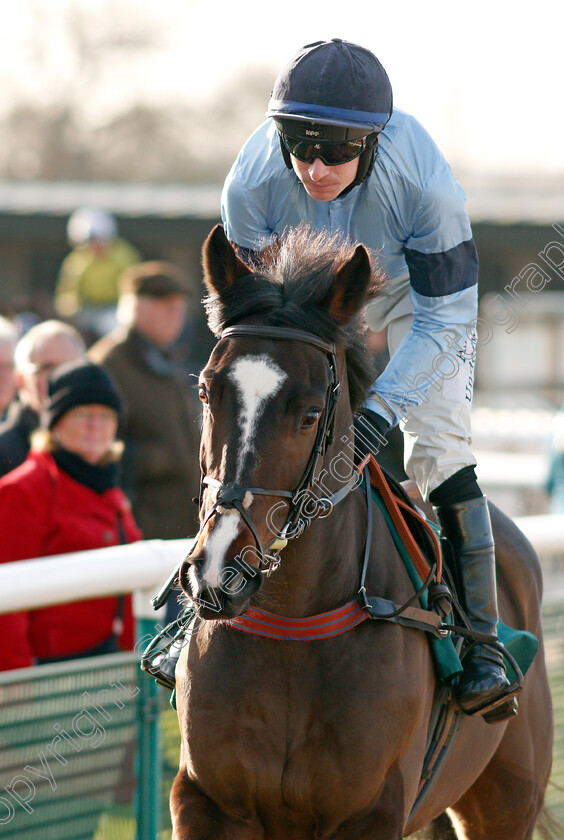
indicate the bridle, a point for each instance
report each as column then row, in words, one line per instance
column 303, row 505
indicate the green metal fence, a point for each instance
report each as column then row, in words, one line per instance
column 89, row 748
column 70, row 763
column 67, row 746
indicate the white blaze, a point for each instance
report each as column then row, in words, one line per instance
column 217, row 544
column 257, row 379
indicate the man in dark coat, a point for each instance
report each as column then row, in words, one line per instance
column 161, row 429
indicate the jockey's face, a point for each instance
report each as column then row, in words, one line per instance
column 322, row 182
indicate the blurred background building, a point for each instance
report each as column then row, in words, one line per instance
column 141, row 109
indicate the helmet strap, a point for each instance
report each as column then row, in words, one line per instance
column 365, row 164
column 285, row 153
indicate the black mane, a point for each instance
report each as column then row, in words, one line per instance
column 288, row 286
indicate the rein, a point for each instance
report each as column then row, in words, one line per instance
column 231, row 495
column 326, row 625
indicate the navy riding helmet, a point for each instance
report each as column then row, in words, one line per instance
column 332, row 92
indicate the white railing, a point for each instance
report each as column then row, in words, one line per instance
column 545, row 533
column 140, row 567
column 143, row 567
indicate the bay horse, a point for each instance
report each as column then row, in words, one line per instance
column 323, row 739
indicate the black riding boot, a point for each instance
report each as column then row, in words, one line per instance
column 483, row 685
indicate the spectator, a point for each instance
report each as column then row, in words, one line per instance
column 64, row 498
column 8, row 338
column 38, row 352
column 87, row 289
column 161, row 473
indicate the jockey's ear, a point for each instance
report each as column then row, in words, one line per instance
column 221, row 264
column 350, row 288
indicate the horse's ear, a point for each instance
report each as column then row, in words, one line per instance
column 350, row 287
column 221, row 264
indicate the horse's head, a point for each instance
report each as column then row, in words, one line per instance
column 287, row 336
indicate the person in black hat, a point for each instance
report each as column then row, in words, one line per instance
column 335, row 154
column 160, row 430
column 81, row 383
column 66, row 497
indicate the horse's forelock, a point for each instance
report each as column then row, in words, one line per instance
column 306, row 262
column 292, row 279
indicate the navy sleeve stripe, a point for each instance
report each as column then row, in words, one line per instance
column 445, row 273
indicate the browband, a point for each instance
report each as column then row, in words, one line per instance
column 279, row 332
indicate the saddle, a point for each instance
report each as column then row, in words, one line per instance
column 518, row 646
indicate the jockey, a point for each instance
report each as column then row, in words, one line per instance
column 334, row 154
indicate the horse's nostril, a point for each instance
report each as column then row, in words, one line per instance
column 184, row 574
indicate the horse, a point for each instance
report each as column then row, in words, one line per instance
column 287, row 739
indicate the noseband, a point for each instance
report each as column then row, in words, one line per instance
column 303, row 506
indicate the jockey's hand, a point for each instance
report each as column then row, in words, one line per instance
column 370, row 431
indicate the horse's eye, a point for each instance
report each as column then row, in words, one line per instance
column 311, row 418
column 203, row 394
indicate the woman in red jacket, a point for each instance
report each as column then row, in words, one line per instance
column 65, row 497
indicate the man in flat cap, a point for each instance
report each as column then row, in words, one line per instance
column 160, row 431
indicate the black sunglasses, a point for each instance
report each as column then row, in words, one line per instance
column 332, row 154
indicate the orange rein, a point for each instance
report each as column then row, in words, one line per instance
column 395, row 506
